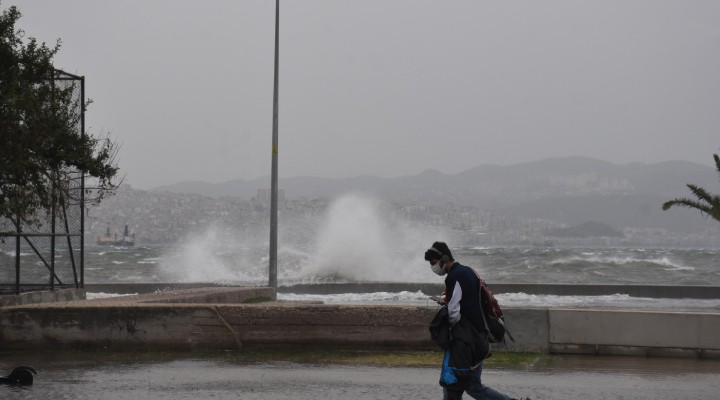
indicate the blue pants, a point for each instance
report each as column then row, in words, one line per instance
column 476, row 390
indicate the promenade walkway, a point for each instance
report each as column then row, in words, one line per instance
column 117, row 377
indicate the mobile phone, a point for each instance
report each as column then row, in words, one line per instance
column 437, row 299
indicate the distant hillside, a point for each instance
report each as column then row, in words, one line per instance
column 310, row 187
column 570, row 190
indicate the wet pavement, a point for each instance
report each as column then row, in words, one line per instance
column 88, row 376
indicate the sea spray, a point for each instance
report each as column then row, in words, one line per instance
column 211, row 256
column 355, row 240
column 358, row 241
column 229, row 256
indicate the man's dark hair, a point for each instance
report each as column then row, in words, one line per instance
column 437, row 250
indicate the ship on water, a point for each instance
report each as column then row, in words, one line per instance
column 114, row 239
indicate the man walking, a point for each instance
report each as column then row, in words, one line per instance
column 462, row 297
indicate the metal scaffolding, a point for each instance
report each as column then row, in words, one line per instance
column 49, row 256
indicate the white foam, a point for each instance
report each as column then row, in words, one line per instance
column 614, row 301
column 101, row 295
column 11, row 253
column 405, row 298
column 621, row 261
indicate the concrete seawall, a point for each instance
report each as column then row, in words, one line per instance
column 614, row 332
column 42, row 297
column 230, row 318
column 182, row 320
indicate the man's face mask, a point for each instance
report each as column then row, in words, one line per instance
column 437, row 268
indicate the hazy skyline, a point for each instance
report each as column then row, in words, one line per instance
column 388, row 88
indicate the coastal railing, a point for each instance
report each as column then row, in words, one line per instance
column 50, row 254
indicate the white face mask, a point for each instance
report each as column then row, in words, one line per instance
column 437, row 268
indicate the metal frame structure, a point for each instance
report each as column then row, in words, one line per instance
column 52, row 256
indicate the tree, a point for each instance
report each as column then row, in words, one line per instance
column 41, row 146
column 706, row 202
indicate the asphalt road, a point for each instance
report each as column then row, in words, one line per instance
column 85, row 376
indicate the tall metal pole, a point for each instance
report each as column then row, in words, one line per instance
column 82, row 188
column 17, row 255
column 274, row 179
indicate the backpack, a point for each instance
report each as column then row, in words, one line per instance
column 492, row 314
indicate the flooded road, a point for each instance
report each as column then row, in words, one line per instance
column 88, row 376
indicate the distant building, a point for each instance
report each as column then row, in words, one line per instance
column 263, row 195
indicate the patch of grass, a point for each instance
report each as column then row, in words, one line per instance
column 389, row 358
column 302, row 355
column 344, row 356
column 514, row 359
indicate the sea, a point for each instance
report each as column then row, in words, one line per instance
column 248, row 265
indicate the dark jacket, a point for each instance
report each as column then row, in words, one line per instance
column 465, row 348
column 462, row 288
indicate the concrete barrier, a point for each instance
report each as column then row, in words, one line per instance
column 217, row 318
column 46, row 296
column 188, row 327
column 530, row 329
column 634, row 332
column 337, row 325
column 92, row 327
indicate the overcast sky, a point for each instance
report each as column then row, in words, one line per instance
column 388, row 87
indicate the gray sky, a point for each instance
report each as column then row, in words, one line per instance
column 388, row 87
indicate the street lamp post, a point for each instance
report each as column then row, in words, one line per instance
column 274, row 177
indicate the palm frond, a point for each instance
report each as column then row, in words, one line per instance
column 687, row 203
column 707, row 203
column 700, row 193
